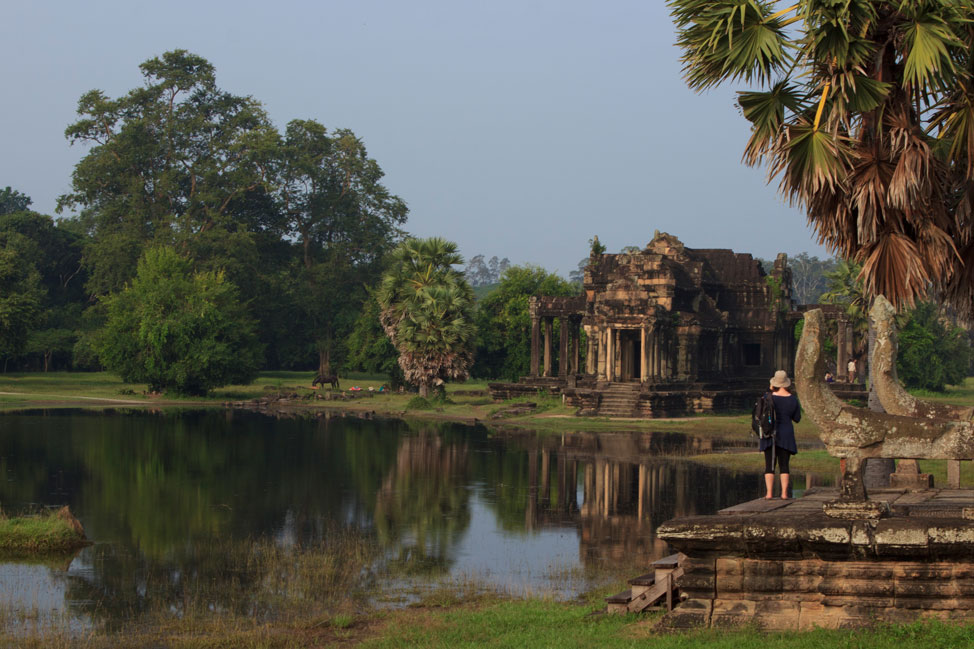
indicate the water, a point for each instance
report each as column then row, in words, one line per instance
column 204, row 501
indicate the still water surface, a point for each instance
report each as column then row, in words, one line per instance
column 162, row 494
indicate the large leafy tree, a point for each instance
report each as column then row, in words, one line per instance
column 13, row 201
column 176, row 162
column 344, row 220
column 177, row 329
column 864, row 110
column 53, row 250
column 504, row 322
column 21, row 294
column 427, row 312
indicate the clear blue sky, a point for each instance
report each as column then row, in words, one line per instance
column 515, row 128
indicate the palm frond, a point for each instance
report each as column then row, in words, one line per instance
column 766, row 112
column 729, row 39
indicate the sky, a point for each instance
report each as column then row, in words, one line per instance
column 517, row 128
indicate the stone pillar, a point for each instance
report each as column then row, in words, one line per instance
column 610, row 354
column 576, row 345
column 643, row 356
column 603, row 353
column 841, row 355
column 547, row 346
column 535, row 345
column 565, row 328
column 591, row 358
column 953, row 474
column 617, row 353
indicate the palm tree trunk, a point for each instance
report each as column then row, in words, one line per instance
column 424, row 390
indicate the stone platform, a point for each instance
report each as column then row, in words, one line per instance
column 785, row 564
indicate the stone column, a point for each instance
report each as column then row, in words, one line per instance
column 610, row 354
column 841, row 354
column 535, row 344
column 591, row 357
column 602, row 342
column 643, row 356
column 576, row 345
column 564, row 329
column 547, row 346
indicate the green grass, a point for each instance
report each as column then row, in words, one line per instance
column 486, row 621
column 544, row 623
column 40, row 534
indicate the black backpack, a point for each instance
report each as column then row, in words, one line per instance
column 763, row 420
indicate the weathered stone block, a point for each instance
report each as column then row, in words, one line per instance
column 691, row 614
column 732, row 612
column 777, row 615
column 901, row 538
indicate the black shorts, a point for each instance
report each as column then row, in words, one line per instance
column 780, row 455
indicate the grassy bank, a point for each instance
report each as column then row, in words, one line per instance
column 467, row 401
column 40, row 534
column 494, row 622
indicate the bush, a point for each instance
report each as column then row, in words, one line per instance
column 178, row 330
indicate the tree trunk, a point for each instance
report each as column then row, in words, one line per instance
column 47, row 360
column 875, row 473
column 424, row 390
column 324, row 362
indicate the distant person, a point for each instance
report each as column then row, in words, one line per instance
column 829, row 377
column 779, row 448
column 852, row 370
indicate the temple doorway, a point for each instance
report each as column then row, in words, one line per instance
column 630, row 348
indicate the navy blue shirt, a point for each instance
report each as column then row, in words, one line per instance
column 787, row 410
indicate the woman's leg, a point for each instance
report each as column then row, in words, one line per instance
column 783, row 461
column 769, row 472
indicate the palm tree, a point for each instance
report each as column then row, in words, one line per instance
column 845, row 288
column 427, row 312
column 865, row 114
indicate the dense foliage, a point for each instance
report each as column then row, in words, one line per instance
column 504, row 322
column 863, row 110
column 299, row 222
column 178, row 329
column 932, row 352
column 427, row 312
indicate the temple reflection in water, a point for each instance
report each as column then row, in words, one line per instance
column 616, row 488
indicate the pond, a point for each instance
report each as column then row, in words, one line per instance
column 227, row 510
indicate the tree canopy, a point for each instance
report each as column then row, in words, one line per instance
column 176, row 162
column 864, row 112
column 504, row 321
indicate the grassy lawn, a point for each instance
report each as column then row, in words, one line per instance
column 486, row 621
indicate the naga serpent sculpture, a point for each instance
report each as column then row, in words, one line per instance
column 856, row 434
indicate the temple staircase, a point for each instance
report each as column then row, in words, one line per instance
column 620, row 400
column 650, row 592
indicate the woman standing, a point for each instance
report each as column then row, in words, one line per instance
column 782, row 446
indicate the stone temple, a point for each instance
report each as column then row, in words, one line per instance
column 669, row 331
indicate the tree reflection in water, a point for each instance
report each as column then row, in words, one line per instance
column 196, row 512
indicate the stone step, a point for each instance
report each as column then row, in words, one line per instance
column 619, row 603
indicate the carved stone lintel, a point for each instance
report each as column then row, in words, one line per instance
column 856, row 510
